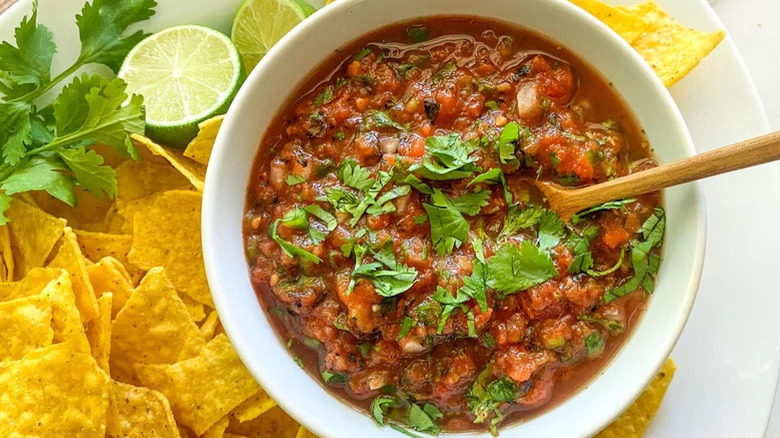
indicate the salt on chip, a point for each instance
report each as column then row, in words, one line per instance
column 273, row 424
column 626, row 24
column 89, row 213
column 137, row 179
column 53, row 392
column 168, row 235
column 200, row 147
column 25, row 325
column 195, row 172
column 153, row 327
column 65, row 317
column 634, row 421
column 136, row 412
column 99, row 332
column 32, row 283
column 253, row 407
column 672, row 50
column 106, row 276
column 303, row 433
column 6, row 255
column 69, row 257
column 217, row 430
column 33, row 235
column 205, row 388
column 209, row 326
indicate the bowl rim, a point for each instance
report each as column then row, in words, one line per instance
column 210, row 218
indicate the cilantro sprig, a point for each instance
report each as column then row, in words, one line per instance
column 45, row 145
column 449, row 229
column 486, row 396
column 514, row 269
column 447, row 158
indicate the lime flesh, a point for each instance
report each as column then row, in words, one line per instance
column 259, row 24
column 186, row 74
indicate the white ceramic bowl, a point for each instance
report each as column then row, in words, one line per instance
column 299, row 53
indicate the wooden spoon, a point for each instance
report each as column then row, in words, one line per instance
column 568, row 201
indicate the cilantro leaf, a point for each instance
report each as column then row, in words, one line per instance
column 290, row 249
column 318, row 212
column 471, row 203
column 448, row 227
column 88, row 169
column 580, row 248
column 379, row 406
column 292, row 180
column 406, row 326
column 475, row 285
column 447, row 157
column 15, row 131
column 42, row 173
column 101, row 25
column 594, row 343
column 418, row 185
column 395, row 280
column 516, row 219
column 330, row 377
column 381, row 119
column 27, row 66
column 507, row 141
column 422, row 419
column 551, row 230
column 324, row 97
column 383, row 204
column 614, row 268
column 418, row 34
column 614, row 327
column 514, row 269
column 485, row 396
column 492, row 176
column 5, row 204
column 611, row 205
column 351, row 174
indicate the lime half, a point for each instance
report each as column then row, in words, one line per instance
column 259, row 24
column 186, row 74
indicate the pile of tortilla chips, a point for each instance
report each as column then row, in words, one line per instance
column 107, row 327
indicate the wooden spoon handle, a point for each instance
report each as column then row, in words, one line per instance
column 737, row 156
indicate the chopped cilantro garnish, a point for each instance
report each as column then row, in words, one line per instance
column 330, row 377
column 594, row 344
column 418, row 185
column 362, row 54
column 491, row 105
column 448, row 227
column 294, row 179
column 485, row 396
column 389, row 277
column 423, row 419
column 339, row 136
column 447, row 157
column 613, row 326
column 406, row 326
column 318, row 212
column 492, row 176
column 611, row 205
column 380, row 119
column 290, row 249
column 379, row 406
column 418, row 34
column 383, row 204
column 507, row 142
column 421, row 219
column 471, row 203
column 514, row 269
column 580, row 248
column 351, row 174
column 298, row 361
column 614, row 268
column 347, row 248
column 551, row 230
column 324, row 97
column 517, row 219
column 445, row 72
column 475, row 285
column 444, row 296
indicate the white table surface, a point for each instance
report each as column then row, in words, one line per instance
column 754, row 25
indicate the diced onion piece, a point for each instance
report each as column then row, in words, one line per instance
column 390, row 145
column 528, row 100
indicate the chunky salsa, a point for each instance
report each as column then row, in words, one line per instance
column 399, row 244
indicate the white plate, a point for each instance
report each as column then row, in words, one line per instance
column 729, row 355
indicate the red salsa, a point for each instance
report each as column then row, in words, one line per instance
column 398, row 242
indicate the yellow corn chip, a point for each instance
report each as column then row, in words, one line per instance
column 195, row 172
column 120, row 218
column 106, row 277
column 69, row 257
column 273, row 424
column 32, row 283
column 99, row 332
column 205, row 388
column 303, row 433
column 200, row 147
column 209, row 326
column 168, row 235
column 53, row 392
column 633, row 423
column 65, row 320
column 135, row 412
column 6, row 255
column 153, row 327
column 137, row 179
column 230, row 435
column 89, row 213
column 672, row 50
column 25, row 325
column 96, row 245
column 217, row 430
column 196, row 310
column 626, row 24
column 252, row 407
column 33, row 235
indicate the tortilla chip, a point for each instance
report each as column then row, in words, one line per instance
column 53, row 392
column 230, row 435
column 135, row 412
column 33, row 235
column 32, row 283
column 626, row 24
column 65, row 317
column 25, row 325
column 120, row 218
column 153, row 327
column 303, row 433
column 195, row 172
column 6, row 255
column 633, row 423
column 196, row 310
column 672, row 50
column 137, row 179
column 168, row 235
column 273, row 424
column 106, row 277
column 209, row 326
column 205, row 388
column 69, row 257
column 96, row 245
column 99, row 332
column 217, row 430
column 89, row 213
column 200, row 147
column 253, row 407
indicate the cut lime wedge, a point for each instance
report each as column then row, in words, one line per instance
column 259, row 24
column 186, row 74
